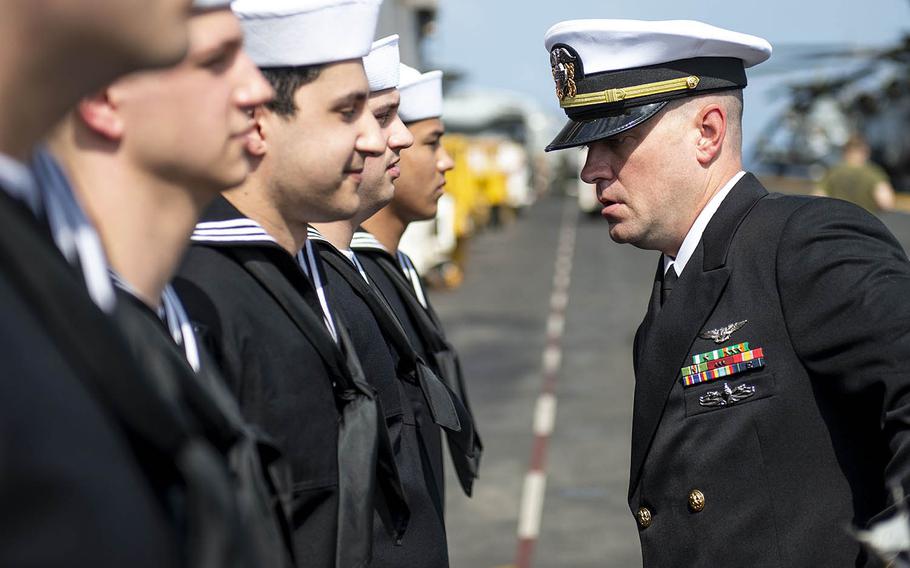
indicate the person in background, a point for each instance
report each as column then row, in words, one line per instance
column 858, row 180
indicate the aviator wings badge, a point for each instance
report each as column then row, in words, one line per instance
column 722, row 334
column 562, row 64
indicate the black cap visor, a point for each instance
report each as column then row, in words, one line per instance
column 581, row 132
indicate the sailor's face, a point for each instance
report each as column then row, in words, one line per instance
column 639, row 176
column 317, row 156
column 380, row 172
column 423, row 172
column 189, row 124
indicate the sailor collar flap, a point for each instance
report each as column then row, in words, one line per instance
column 443, row 403
column 319, row 239
column 223, row 225
column 313, row 234
column 365, row 241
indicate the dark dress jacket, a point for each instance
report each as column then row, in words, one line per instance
column 788, row 455
column 406, row 415
column 424, row 327
column 252, row 529
column 257, row 314
column 83, row 482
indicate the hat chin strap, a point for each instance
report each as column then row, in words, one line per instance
column 632, row 92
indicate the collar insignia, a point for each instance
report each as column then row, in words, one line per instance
column 722, row 334
column 562, row 64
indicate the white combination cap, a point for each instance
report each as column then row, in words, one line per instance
column 611, row 45
column 296, row 33
column 421, row 94
column 612, row 75
column 381, row 65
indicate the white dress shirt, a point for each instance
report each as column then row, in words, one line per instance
column 698, row 227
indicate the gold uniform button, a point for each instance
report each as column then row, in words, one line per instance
column 644, row 517
column 696, row 501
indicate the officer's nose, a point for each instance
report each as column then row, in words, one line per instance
column 598, row 164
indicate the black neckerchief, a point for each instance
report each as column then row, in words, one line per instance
column 464, row 444
column 445, row 358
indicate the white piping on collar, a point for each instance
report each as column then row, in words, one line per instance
column 178, row 322
column 231, row 231
column 17, row 181
column 410, row 272
column 308, row 262
column 313, row 234
column 172, row 313
column 72, row 231
column 352, row 257
column 366, row 241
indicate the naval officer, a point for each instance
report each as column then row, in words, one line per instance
column 285, row 356
column 771, row 386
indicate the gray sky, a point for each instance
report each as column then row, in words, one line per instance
column 499, row 43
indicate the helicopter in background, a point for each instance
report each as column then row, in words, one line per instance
column 866, row 91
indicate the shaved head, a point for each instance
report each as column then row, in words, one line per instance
column 730, row 101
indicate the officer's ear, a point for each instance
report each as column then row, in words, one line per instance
column 256, row 143
column 711, row 123
column 98, row 113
